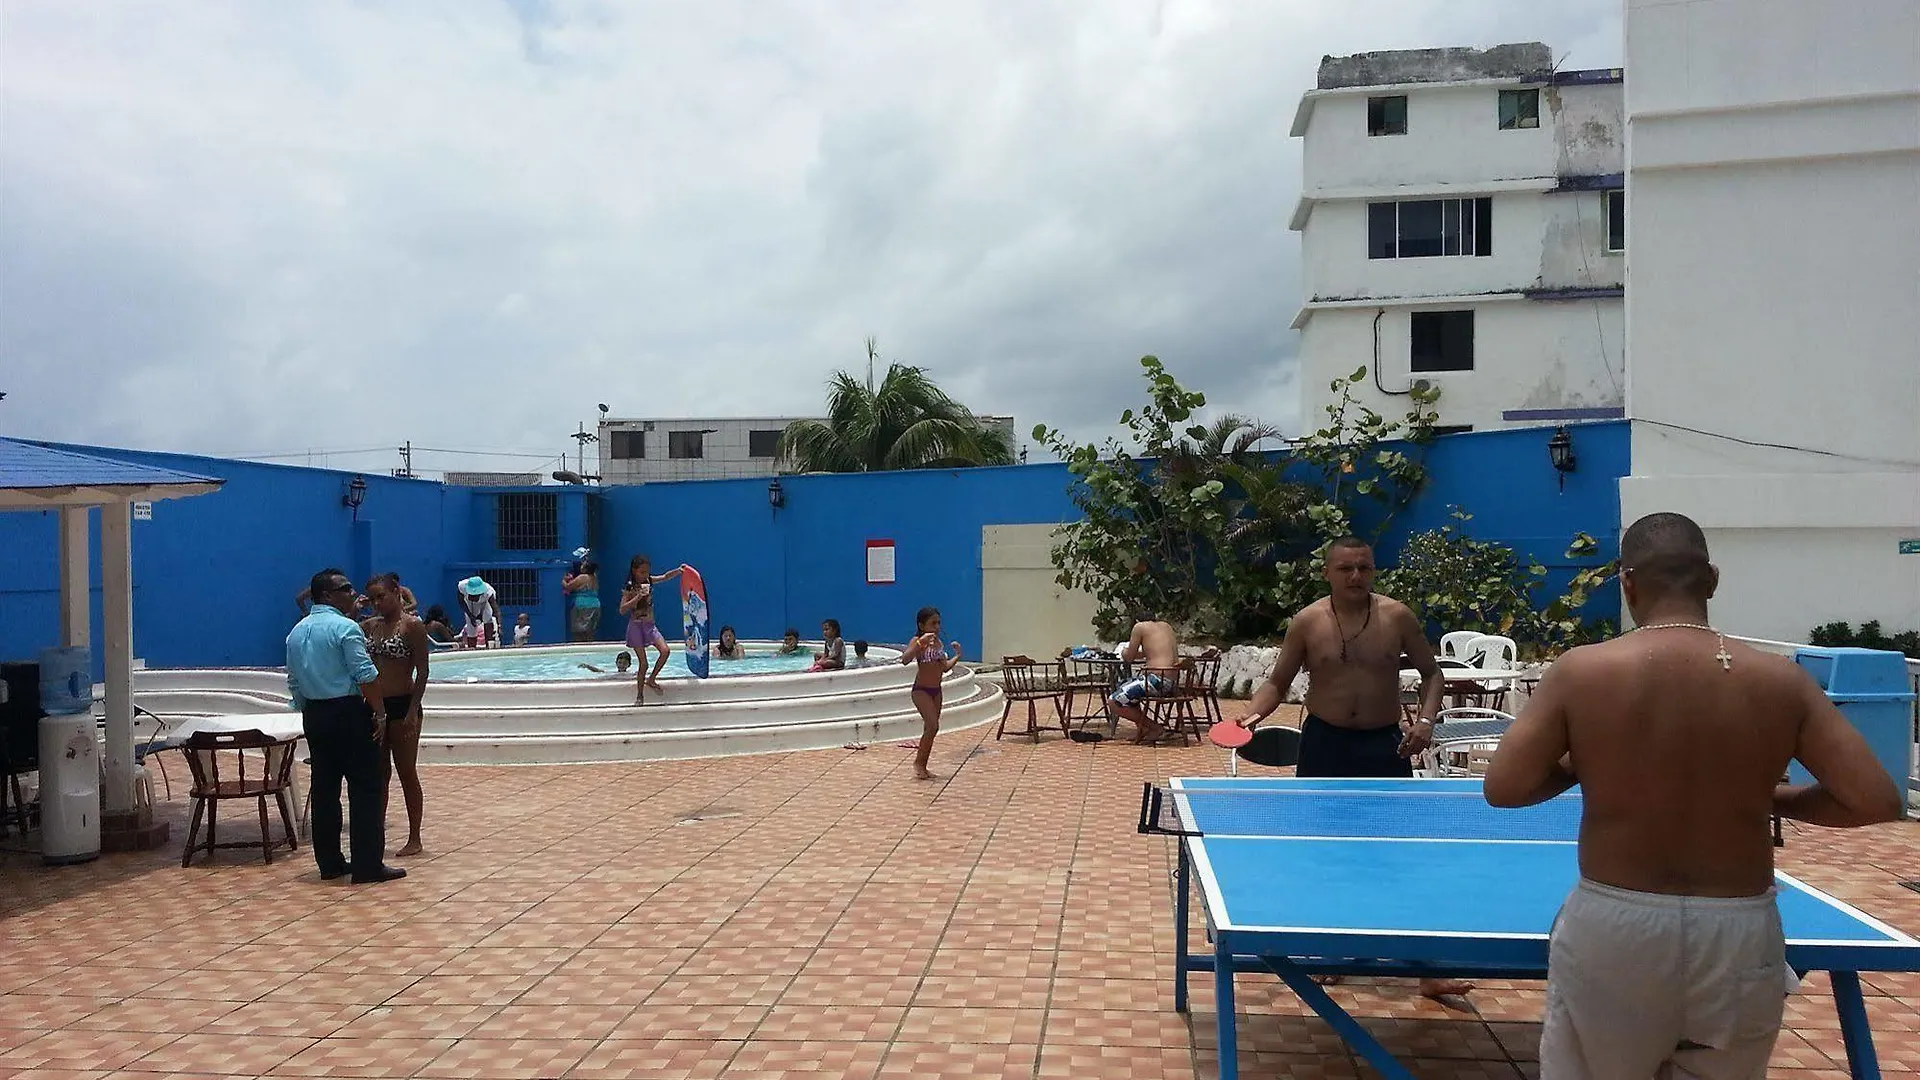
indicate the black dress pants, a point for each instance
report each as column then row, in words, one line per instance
column 341, row 747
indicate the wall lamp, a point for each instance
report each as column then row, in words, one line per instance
column 1560, row 453
column 776, row 495
column 356, row 494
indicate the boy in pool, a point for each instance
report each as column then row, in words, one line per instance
column 931, row 664
column 621, row 664
column 790, row 644
column 833, row 653
column 860, row 654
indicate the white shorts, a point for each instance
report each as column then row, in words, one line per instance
column 1646, row 985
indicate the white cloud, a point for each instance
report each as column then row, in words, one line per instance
column 216, row 220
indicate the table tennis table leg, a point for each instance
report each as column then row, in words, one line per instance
column 1357, row 1038
column 1223, row 1010
column 1854, row 1030
column 1180, row 932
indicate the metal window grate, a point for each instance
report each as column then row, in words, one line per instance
column 517, row 588
column 527, row 521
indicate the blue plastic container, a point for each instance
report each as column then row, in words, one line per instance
column 1875, row 693
column 66, row 680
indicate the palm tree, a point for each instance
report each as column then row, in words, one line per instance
column 906, row 422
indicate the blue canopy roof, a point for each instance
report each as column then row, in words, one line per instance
column 34, row 476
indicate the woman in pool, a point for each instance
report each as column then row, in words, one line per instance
column 584, row 587
column 931, row 664
column 398, row 643
column 729, row 647
column 636, row 603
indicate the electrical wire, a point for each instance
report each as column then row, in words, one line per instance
column 1900, row 462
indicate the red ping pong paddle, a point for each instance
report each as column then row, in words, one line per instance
column 1228, row 735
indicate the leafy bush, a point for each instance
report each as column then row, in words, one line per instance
column 1839, row 635
column 1453, row 581
column 1194, row 524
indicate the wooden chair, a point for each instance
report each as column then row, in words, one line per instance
column 1092, row 680
column 1173, row 707
column 1026, row 679
column 1206, row 683
column 206, row 752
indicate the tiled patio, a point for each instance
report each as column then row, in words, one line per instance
column 808, row 915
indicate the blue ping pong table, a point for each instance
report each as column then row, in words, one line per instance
column 1423, row 878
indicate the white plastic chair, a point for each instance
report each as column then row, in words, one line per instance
column 1453, row 646
column 1492, row 652
column 1459, row 757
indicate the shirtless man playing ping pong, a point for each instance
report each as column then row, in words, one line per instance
column 1668, row 957
column 1350, row 645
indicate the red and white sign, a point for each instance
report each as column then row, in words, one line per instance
column 880, row 562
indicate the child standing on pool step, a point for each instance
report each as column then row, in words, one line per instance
column 931, row 664
column 636, row 603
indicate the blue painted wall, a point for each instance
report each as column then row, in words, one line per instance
column 215, row 575
column 767, row 570
column 1504, row 479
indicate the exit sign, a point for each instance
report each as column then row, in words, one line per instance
column 1910, row 547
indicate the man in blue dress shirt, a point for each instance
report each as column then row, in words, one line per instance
column 331, row 679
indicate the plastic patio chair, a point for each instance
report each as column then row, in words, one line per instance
column 1458, row 756
column 1453, row 646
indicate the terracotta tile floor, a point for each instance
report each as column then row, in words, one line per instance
column 803, row 915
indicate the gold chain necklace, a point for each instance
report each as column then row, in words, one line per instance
column 1722, row 655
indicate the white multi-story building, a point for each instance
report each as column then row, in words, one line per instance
column 1774, row 318
column 635, row 451
column 1462, row 222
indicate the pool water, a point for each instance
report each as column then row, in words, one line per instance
column 490, row 665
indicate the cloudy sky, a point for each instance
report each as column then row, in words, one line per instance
column 249, row 227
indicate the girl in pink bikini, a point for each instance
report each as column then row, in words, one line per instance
column 931, row 664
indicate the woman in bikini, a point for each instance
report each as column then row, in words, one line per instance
column 636, row 603
column 931, row 663
column 398, row 643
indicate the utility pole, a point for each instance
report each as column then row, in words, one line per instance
column 872, row 352
column 583, row 437
column 406, row 460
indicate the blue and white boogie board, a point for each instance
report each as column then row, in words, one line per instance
column 693, row 620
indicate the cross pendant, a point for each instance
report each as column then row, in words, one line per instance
column 1725, row 657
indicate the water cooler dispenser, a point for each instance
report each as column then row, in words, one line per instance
column 69, row 758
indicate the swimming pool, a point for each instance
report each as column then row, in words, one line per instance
column 564, row 662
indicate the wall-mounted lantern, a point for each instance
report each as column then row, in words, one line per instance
column 1560, row 453
column 776, row 495
column 356, row 494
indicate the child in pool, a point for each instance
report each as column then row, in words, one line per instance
column 621, row 664
column 729, row 647
column 833, row 653
column 931, row 664
column 860, row 654
column 790, row 644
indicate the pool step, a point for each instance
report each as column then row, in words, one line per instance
column 980, row 702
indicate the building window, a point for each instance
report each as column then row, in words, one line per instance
column 526, row 521
column 686, row 444
column 1387, row 115
column 1616, row 221
column 516, row 588
column 628, row 445
column 1415, row 230
column 1519, row 109
column 1442, row 341
column 1452, row 429
column 763, row 444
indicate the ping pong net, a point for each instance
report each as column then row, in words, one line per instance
column 1230, row 810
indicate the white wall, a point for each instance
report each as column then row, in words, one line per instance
column 724, row 450
column 1539, row 240
column 1024, row 611
column 1775, row 220
column 1527, row 355
column 1453, row 136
